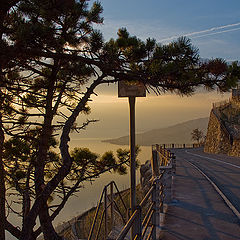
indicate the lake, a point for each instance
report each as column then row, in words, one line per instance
column 89, row 195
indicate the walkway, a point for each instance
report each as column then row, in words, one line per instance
column 196, row 211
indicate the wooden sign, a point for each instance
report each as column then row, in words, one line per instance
column 131, row 89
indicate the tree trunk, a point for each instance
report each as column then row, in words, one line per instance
column 48, row 230
column 2, row 186
column 45, row 220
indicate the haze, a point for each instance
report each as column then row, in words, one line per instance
column 151, row 112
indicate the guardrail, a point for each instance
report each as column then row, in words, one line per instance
column 180, row 145
column 107, row 201
column 145, row 225
column 146, row 218
column 142, row 222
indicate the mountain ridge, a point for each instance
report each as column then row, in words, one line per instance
column 177, row 133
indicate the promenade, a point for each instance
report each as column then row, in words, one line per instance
column 197, row 211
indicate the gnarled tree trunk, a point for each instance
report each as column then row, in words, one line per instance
column 2, row 186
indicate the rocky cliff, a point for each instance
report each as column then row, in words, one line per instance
column 223, row 134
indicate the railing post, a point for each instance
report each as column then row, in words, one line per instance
column 105, row 211
column 95, row 216
column 139, row 223
column 173, row 160
column 155, row 163
column 161, row 196
column 128, row 214
column 112, row 207
column 154, row 216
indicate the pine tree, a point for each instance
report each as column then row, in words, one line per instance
column 51, row 52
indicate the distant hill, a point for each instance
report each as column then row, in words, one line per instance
column 179, row 133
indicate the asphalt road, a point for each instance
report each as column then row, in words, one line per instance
column 197, row 211
column 223, row 170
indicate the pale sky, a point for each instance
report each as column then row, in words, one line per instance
column 214, row 28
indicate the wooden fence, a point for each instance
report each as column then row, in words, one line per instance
column 145, row 226
column 145, row 220
column 179, row 145
column 107, row 202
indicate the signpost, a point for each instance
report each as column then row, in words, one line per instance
column 132, row 90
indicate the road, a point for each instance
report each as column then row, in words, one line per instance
column 197, row 211
column 223, row 170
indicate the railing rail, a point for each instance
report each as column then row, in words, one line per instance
column 163, row 161
column 108, row 202
column 179, row 145
column 145, row 219
column 142, row 225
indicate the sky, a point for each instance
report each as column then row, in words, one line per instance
column 213, row 27
column 163, row 19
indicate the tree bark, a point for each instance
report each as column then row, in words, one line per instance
column 4, row 8
column 44, row 191
column 2, row 185
column 48, row 230
column 45, row 220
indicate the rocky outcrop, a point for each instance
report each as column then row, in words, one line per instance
column 223, row 134
column 146, row 176
column 235, row 150
column 217, row 139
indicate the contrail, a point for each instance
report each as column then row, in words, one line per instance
column 214, row 33
column 205, row 31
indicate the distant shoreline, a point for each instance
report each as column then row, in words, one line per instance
column 177, row 134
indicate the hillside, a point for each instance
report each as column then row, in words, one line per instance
column 179, row 133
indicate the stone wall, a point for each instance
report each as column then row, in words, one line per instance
column 217, row 140
column 236, row 101
column 236, row 96
column 235, row 151
column 146, row 176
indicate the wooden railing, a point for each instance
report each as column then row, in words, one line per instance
column 145, row 225
column 141, row 222
column 107, row 201
column 180, row 145
column 145, row 220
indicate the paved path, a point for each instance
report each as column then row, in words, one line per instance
column 197, row 211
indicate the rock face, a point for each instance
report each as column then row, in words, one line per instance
column 235, row 150
column 223, row 134
column 146, row 176
column 217, row 140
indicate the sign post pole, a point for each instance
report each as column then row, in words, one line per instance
column 132, row 161
column 132, row 90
